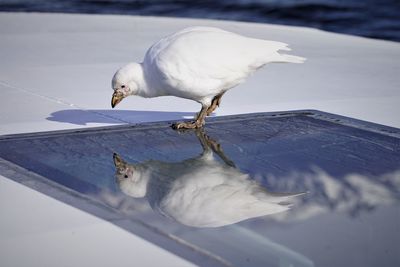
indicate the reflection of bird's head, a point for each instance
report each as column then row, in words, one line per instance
column 130, row 178
column 126, row 81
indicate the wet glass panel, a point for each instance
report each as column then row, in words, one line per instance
column 265, row 190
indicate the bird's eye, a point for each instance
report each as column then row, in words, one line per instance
column 122, row 86
column 126, row 176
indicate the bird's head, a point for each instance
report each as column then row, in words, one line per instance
column 126, row 82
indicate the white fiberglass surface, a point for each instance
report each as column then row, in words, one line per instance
column 261, row 190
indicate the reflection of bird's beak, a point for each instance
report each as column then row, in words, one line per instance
column 116, row 98
column 118, row 161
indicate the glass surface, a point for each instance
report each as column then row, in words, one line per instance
column 289, row 190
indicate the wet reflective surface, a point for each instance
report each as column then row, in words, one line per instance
column 266, row 190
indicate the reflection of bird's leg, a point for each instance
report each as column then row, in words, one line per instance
column 203, row 140
column 198, row 123
column 207, row 143
column 215, row 103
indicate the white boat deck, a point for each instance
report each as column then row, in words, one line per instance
column 55, row 73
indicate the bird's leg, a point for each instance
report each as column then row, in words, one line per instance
column 215, row 103
column 198, row 123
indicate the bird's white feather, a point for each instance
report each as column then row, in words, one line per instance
column 200, row 62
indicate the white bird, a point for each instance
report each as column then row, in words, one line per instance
column 197, row 63
column 201, row 191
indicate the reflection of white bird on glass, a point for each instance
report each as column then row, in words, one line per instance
column 201, row 191
column 198, row 63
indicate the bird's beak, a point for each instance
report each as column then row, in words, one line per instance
column 118, row 161
column 116, row 98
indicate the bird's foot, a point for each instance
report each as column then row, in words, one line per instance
column 187, row 125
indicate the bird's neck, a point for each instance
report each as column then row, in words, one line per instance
column 140, row 81
column 145, row 88
column 150, row 87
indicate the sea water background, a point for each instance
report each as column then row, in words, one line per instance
column 370, row 18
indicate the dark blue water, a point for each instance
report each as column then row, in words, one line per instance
column 370, row 18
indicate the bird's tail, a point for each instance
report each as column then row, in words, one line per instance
column 284, row 58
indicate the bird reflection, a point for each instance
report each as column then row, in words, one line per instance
column 200, row 191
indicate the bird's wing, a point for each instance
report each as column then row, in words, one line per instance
column 209, row 57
